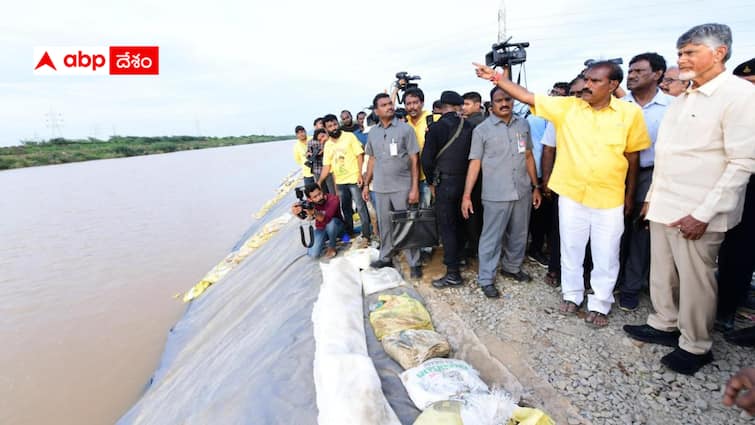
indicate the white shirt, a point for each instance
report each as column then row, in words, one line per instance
column 705, row 154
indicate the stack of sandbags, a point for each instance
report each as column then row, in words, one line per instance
column 450, row 391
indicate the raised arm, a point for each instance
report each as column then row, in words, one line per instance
column 503, row 81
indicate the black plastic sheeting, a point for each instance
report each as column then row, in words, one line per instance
column 387, row 368
column 243, row 352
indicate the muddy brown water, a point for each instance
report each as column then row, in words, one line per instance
column 91, row 256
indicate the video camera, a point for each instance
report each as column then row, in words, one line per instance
column 617, row 61
column 507, row 54
column 403, row 83
column 403, row 80
column 303, row 202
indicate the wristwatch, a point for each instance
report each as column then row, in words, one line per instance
column 536, row 186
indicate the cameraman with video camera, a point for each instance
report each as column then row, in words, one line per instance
column 402, row 84
column 325, row 210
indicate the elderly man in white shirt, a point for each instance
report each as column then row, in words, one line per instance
column 705, row 154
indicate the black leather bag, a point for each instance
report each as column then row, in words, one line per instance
column 414, row 228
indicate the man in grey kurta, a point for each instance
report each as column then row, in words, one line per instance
column 393, row 170
column 502, row 148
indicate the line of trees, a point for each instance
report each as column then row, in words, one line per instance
column 61, row 150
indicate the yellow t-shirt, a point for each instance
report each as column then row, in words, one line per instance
column 590, row 165
column 341, row 155
column 300, row 155
column 419, row 130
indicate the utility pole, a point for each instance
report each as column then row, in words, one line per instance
column 502, row 21
column 54, row 121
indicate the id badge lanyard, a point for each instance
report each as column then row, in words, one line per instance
column 393, row 147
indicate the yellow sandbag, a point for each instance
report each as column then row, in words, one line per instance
column 411, row 347
column 398, row 313
column 441, row 413
column 528, row 416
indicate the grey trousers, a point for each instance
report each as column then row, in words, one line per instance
column 504, row 225
column 385, row 203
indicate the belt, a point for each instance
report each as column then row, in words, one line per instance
column 648, row 168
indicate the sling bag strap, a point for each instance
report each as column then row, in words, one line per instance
column 452, row 140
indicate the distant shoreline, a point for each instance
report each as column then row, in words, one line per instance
column 63, row 151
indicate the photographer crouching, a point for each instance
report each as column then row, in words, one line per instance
column 325, row 210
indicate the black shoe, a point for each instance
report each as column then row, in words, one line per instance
column 724, row 324
column 685, row 362
column 425, row 257
column 416, row 272
column 519, row 276
column 744, row 337
column 379, row 264
column 539, row 258
column 629, row 302
column 647, row 333
column 450, row 279
column 491, row 291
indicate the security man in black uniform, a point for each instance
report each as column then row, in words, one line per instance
column 445, row 160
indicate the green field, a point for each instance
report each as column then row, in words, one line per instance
column 60, row 151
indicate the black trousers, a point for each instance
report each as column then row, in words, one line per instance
column 450, row 221
column 635, row 242
column 554, row 266
column 473, row 225
column 736, row 259
column 541, row 220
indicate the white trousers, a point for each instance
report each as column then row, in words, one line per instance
column 603, row 228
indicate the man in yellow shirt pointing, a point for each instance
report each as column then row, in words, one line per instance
column 599, row 138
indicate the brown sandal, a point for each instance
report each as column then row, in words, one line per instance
column 568, row 308
column 596, row 320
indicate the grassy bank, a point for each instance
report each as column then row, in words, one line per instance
column 60, row 151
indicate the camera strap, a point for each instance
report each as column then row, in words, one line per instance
column 311, row 236
column 452, row 140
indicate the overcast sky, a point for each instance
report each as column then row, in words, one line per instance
column 250, row 67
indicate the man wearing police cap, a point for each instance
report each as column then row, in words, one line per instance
column 444, row 161
column 746, row 70
column 736, row 262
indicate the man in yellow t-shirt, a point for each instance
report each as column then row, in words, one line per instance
column 599, row 138
column 300, row 154
column 416, row 117
column 343, row 157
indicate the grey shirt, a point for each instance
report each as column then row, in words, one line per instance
column 392, row 173
column 501, row 148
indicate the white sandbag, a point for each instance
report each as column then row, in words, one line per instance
column 348, row 388
column 493, row 408
column 441, row 379
column 376, row 280
column 349, row 392
column 361, row 258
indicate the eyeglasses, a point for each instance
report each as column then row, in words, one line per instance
column 669, row 80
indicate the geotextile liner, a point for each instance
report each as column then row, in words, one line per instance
column 243, row 351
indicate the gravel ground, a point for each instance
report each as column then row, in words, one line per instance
column 608, row 377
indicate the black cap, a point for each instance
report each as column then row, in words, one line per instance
column 746, row 69
column 449, row 97
column 299, row 128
